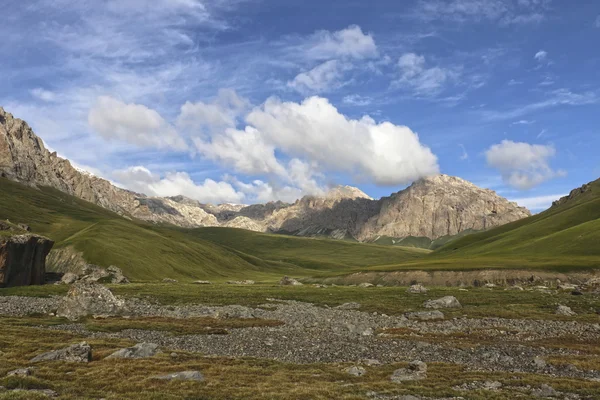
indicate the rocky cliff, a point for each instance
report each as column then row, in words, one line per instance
column 23, row 260
column 433, row 207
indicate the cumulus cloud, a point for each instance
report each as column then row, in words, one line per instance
column 322, row 78
column 423, row 80
column 221, row 113
column 541, row 55
column 133, row 123
column 315, row 130
column 350, row 42
column 141, row 179
column 523, row 165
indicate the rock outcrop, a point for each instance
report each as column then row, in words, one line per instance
column 23, row 260
column 86, row 298
column 433, row 207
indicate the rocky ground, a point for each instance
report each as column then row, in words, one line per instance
column 345, row 334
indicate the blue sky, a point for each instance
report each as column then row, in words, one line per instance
column 255, row 100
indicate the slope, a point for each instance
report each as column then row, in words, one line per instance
column 566, row 234
column 148, row 252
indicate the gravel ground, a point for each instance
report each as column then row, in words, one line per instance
column 345, row 334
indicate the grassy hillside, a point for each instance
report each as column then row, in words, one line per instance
column 564, row 237
column 150, row 252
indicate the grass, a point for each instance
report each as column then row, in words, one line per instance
column 148, row 252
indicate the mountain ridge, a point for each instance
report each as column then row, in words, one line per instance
column 432, row 207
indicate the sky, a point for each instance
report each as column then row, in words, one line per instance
column 246, row 101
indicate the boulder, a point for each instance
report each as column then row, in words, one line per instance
column 201, row 282
column 169, row 280
column 23, row 260
column 287, row 281
column 564, row 310
column 85, row 299
column 69, row 278
column 417, row 370
column 356, row 371
column 418, row 288
column 182, row 376
column 425, row 315
column 140, row 350
column 245, row 282
column 366, row 285
column 81, row 352
column 444, row 302
column 567, row 286
column 94, row 273
column 21, row 372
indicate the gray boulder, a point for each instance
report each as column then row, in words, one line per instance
column 564, row 310
column 69, row 278
column 418, row 288
column 417, row 370
column 81, row 352
column 140, row 350
column 356, row 371
column 182, row 376
column 444, row 302
column 287, row 281
column 425, row 315
column 85, row 299
column 366, row 285
column 21, row 372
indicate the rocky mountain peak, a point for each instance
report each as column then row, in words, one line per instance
column 346, row 192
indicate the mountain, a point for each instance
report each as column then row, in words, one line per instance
column 84, row 232
column 432, row 208
column 565, row 235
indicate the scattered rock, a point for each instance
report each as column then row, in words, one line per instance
column 545, row 391
column 356, row 371
column 43, row 392
column 287, row 281
column 416, row 370
column 140, row 350
column 69, row 278
column 564, row 310
column 201, row 282
column 487, row 385
column 516, row 287
column 94, row 273
column 366, row 285
column 490, row 285
column 425, row 315
column 182, row 376
column 21, row 372
column 349, row 306
column 444, row 302
column 417, row 289
column 246, row 282
column 567, row 286
column 85, row 299
column 81, row 352
column 539, row 363
column 169, row 280
column 371, row 362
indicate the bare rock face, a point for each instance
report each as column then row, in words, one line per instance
column 440, row 206
column 23, row 260
column 81, row 352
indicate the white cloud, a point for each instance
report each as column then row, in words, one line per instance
column 500, row 11
column 422, row 80
column 244, row 150
column 220, row 114
column 43, row 94
column 597, row 22
column 553, row 98
column 133, row 123
column 314, row 129
column 142, row 180
column 523, row 165
column 523, row 122
column 357, row 100
column 350, row 42
column 538, row 203
column 541, row 55
column 464, row 156
column 322, row 78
